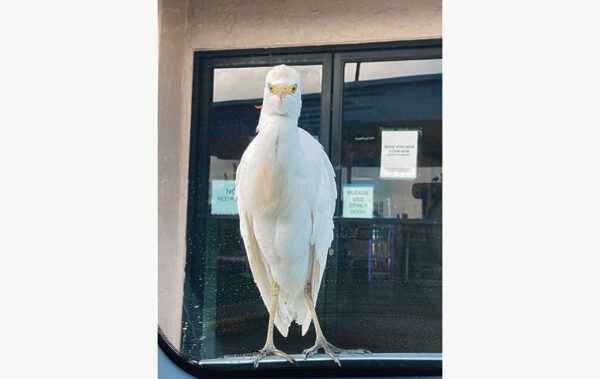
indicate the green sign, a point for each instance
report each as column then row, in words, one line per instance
column 223, row 198
column 358, row 200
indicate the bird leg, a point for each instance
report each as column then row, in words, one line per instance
column 321, row 342
column 269, row 348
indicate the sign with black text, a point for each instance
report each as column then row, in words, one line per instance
column 223, row 197
column 399, row 154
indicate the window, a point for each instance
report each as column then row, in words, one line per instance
column 376, row 109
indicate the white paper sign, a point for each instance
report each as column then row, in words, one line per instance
column 358, row 200
column 399, row 154
column 223, row 198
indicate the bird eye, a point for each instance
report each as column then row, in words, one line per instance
column 294, row 88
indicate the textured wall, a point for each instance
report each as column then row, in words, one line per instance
column 171, row 154
column 188, row 25
column 259, row 23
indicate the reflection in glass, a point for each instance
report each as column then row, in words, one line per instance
column 389, row 275
column 382, row 284
column 398, row 95
column 236, row 93
column 381, row 290
column 388, row 289
column 223, row 311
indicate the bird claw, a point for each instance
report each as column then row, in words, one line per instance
column 331, row 350
column 271, row 350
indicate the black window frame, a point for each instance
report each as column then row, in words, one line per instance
column 332, row 58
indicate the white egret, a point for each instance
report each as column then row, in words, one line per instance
column 286, row 191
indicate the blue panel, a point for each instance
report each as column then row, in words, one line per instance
column 169, row 370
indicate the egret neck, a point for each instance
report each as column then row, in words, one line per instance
column 281, row 160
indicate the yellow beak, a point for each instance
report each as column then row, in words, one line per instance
column 283, row 92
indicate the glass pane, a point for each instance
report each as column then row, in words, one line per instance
column 381, row 291
column 382, row 284
column 389, row 274
column 236, row 94
column 394, row 102
column 388, row 294
column 223, row 313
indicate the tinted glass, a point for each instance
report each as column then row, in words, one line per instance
column 388, row 295
column 382, row 284
column 396, row 98
column 223, row 313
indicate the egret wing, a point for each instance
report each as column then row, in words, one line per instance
column 260, row 272
column 322, row 212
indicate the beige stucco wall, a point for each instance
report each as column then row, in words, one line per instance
column 172, row 157
column 188, row 25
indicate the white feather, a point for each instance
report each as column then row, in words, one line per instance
column 285, row 189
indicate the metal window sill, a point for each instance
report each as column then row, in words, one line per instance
column 426, row 361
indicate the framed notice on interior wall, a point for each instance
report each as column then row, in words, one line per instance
column 399, row 152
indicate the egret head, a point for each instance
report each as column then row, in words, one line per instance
column 282, row 95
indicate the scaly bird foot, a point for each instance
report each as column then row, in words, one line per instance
column 271, row 350
column 331, row 350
